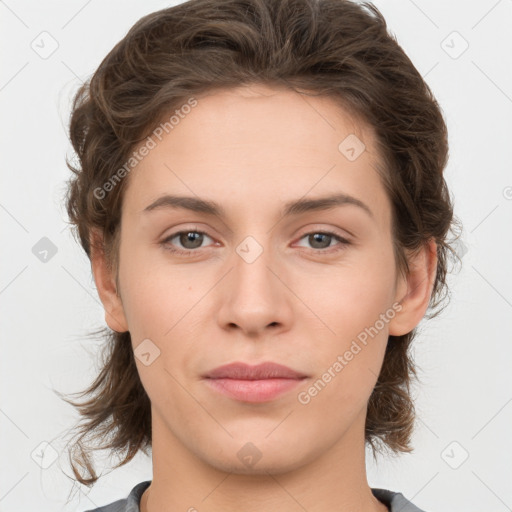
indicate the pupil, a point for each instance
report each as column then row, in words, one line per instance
column 317, row 238
column 191, row 237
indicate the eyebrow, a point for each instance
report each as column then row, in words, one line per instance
column 297, row 207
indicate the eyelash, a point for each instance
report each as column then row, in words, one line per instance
column 190, row 252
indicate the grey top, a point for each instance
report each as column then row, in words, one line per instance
column 395, row 501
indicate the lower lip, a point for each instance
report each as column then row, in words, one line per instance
column 253, row 390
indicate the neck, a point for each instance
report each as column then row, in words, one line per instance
column 335, row 481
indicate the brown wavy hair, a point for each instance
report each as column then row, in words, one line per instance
column 334, row 48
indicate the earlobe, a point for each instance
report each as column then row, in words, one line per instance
column 106, row 285
column 414, row 291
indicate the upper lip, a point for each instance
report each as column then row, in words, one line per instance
column 243, row 371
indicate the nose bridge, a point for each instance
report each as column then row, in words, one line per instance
column 253, row 296
column 252, row 278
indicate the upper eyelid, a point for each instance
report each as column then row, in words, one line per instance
column 312, row 228
column 181, row 231
column 326, row 231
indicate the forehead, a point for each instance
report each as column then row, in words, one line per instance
column 250, row 144
column 272, row 115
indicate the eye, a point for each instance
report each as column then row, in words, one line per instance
column 321, row 240
column 190, row 240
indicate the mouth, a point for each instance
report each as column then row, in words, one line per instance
column 255, row 384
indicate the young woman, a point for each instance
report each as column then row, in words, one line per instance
column 260, row 191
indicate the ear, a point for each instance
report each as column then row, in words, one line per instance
column 414, row 290
column 106, row 285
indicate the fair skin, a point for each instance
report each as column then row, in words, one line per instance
column 299, row 303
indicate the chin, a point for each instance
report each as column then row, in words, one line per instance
column 278, row 464
column 256, row 458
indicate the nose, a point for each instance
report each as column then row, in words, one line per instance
column 254, row 296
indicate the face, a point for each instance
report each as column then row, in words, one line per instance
column 313, row 289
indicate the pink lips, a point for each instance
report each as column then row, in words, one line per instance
column 259, row 383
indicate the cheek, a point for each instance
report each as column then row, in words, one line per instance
column 357, row 306
column 161, row 298
column 147, row 293
column 349, row 361
column 351, row 297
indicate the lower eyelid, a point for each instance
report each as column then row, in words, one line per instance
column 342, row 242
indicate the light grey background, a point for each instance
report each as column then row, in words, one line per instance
column 464, row 404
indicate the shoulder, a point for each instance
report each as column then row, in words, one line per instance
column 128, row 504
column 395, row 501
